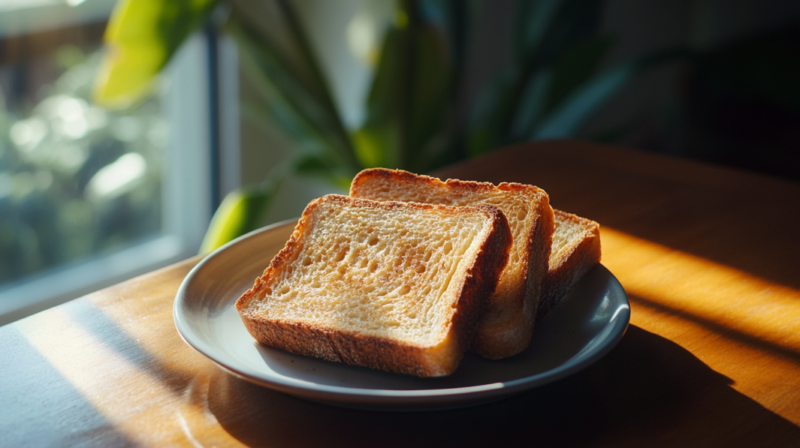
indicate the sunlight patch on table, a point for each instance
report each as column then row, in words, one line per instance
column 740, row 325
column 101, row 375
column 714, row 292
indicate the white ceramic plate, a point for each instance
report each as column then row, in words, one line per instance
column 585, row 326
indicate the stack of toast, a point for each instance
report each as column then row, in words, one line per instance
column 409, row 272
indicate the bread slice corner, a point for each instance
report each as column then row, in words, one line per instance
column 576, row 250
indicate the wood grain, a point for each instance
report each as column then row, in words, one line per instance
column 707, row 255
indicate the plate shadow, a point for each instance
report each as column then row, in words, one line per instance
column 648, row 391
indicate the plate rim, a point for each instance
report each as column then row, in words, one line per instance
column 342, row 394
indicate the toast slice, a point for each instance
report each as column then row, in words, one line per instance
column 506, row 328
column 576, row 249
column 387, row 285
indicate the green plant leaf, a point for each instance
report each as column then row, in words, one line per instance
column 239, row 213
column 533, row 103
column 552, row 85
column 574, row 67
column 566, row 119
column 323, row 90
column 288, row 95
column 315, row 165
column 377, row 145
column 545, row 28
column 274, row 111
column 488, row 113
column 378, row 142
column 407, row 101
column 142, row 36
column 535, row 19
column 432, row 85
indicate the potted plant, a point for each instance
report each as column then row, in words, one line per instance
column 416, row 117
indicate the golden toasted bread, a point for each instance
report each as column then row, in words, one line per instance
column 388, row 285
column 507, row 326
column 576, row 249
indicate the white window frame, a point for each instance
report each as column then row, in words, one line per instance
column 187, row 194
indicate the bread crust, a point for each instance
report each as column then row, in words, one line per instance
column 367, row 350
column 572, row 262
column 507, row 327
column 513, row 336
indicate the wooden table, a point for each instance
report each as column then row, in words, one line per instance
column 708, row 256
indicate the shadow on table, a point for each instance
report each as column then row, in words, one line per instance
column 56, row 414
column 647, row 392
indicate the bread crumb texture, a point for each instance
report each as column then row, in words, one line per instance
column 385, row 272
column 566, row 232
column 516, row 201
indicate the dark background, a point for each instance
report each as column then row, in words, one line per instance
column 735, row 101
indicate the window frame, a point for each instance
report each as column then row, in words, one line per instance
column 190, row 192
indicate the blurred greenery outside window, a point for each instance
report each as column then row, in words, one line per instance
column 83, row 196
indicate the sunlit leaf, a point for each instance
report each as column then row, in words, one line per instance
column 141, row 37
column 239, row 213
column 315, row 165
column 376, row 145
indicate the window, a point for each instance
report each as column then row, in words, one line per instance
column 90, row 197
